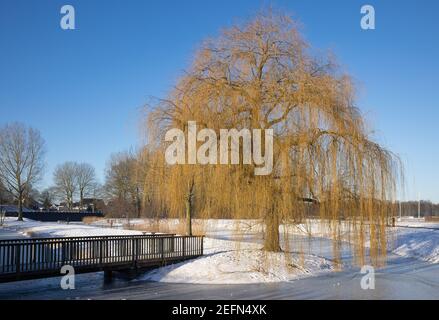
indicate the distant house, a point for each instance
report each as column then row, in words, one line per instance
column 90, row 205
column 95, row 204
column 62, row 206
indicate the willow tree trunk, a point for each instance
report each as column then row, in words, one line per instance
column 189, row 199
column 272, row 236
column 138, row 203
column 188, row 217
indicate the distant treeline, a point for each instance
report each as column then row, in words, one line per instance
column 407, row 208
column 428, row 208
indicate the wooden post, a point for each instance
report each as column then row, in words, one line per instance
column 202, row 245
column 184, row 245
column 100, row 252
column 63, row 253
column 17, row 258
column 134, row 248
column 162, row 248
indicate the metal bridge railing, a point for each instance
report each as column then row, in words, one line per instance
column 48, row 255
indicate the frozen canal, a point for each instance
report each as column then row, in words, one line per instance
column 401, row 278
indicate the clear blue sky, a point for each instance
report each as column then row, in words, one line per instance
column 84, row 88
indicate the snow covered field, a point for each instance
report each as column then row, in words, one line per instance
column 233, row 253
column 31, row 228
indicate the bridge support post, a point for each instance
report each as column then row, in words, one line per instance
column 108, row 276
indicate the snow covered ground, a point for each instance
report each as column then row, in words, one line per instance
column 31, row 228
column 413, row 222
column 226, row 263
column 417, row 242
column 412, row 238
column 233, row 254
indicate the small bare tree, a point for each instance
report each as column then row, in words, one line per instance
column 86, row 180
column 65, row 179
column 122, row 184
column 47, row 197
column 21, row 160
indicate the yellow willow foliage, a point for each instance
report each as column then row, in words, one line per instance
column 262, row 75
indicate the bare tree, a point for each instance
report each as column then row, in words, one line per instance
column 65, row 180
column 21, row 160
column 47, row 197
column 98, row 193
column 86, row 180
column 122, row 184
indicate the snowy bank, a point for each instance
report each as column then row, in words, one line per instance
column 417, row 243
column 231, row 262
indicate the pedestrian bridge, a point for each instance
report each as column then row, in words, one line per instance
column 22, row 259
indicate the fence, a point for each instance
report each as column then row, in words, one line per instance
column 35, row 258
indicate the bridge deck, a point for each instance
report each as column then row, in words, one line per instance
column 22, row 259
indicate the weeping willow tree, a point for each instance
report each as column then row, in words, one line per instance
column 263, row 75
